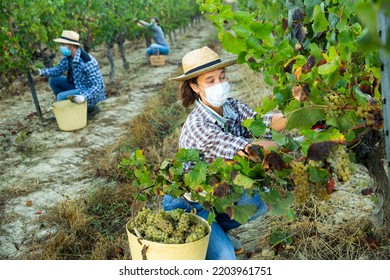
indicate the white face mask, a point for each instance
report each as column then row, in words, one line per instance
column 218, row 94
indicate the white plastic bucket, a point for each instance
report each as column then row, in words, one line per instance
column 142, row 249
column 70, row 116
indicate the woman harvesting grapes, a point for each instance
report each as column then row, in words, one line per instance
column 214, row 128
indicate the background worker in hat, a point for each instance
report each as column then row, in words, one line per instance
column 83, row 82
column 214, row 129
column 160, row 45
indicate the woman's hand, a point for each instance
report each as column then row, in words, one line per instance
column 278, row 122
column 252, row 150
column 142, row 23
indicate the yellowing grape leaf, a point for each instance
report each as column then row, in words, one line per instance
column 298, row 72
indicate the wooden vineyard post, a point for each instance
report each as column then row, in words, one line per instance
column 34, row 95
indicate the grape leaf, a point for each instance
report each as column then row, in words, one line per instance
column 329, row 68
column 319, row 151
column 262, row 30
column 143, row 177
column 318, row 175
column 304, row 118
column 273, row 161
column 246, row 123
column 241, row 213
column 278, row 201
column 185, row 155
column 283, row 52
column 233, row 44
column 257, row 127
column 243, row 181
column 320, row 23
column 343, row 122
column 268, row 104
column 254, row 43
column 221, row 190
column 196, row 176
column 242, row 17
column 361, row 97
column 241, row 31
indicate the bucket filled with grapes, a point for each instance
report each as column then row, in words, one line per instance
column 168, row 235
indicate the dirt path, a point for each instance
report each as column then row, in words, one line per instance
column 41, row 166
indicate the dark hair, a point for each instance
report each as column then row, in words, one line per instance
column 187, row 95
column 157, row 20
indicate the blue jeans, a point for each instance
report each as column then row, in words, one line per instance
column 62, row 88
column 156, row 48
column 220, row 247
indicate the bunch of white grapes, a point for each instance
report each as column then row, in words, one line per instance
column 169, row 227
column 339, row 161
column 336, row 102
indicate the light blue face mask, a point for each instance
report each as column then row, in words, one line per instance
column 65, row 50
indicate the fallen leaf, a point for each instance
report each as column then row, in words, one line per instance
column 367, row 191
column 330, row 187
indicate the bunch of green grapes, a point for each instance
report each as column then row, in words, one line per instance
column 366, row 112
column 335, row 101
column 315, row 163
column 371, row 113
column 171, row 227
column 300, row 177
column 339, row 161
column 320, row 191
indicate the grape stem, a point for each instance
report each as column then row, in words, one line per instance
column 322, row 107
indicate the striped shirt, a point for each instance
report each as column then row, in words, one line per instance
column 86, row 77
column 216, row 138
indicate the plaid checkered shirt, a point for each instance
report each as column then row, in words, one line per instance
column 86, row 77
column 213, row 139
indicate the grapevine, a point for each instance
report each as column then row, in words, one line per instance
column 324, row 78
column 27, row 37
column 169, row 227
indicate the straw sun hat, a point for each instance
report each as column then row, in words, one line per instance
column 69, row 37
column 201, row 61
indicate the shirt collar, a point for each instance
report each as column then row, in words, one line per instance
column 77, row 55
column 228, row 113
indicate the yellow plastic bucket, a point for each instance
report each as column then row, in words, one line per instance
column 142, row 249
column 70, row 116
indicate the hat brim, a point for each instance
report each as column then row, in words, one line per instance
column 220, row 65
column 60, row 40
